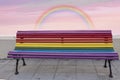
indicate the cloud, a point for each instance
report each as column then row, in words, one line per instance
column 48, row 3
column 12, row 2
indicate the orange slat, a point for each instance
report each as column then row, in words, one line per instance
column 65, row 40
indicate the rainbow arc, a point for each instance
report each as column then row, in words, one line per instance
column 81, row 13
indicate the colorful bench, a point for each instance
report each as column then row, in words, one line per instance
column 73, row 44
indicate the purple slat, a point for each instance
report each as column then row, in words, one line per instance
column 63, row 57
column 83, row 54
column 65, row 34
column 66, row 31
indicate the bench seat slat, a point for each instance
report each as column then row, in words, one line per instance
column 91, row 54
column 63, row 57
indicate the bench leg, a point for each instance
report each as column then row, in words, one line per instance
column 17, row 62
column 110, row 75
column 105, row 65
column 24, row 64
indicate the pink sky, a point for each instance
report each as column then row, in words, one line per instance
column 23, row 15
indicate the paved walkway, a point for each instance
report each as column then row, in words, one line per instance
column 57, row 69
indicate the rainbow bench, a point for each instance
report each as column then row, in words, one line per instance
column 75, row 44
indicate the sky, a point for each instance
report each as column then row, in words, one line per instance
column 23, row 14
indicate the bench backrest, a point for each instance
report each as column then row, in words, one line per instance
column 83, row 36
column 95, row 39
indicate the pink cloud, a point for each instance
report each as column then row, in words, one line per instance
column 95, row 6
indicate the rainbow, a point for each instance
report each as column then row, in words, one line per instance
column 82, row 14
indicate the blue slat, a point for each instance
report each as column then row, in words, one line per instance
column 43, row 50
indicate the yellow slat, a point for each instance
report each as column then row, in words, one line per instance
column 64, row 45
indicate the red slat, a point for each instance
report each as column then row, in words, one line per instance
column 63, row 35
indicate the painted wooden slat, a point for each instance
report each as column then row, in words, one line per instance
column 65, row 35
column 63, row 57
column 64, row 50
column 61, row 48
column 62, row 34
column 65, row 31
column 64, row 45
column 82, row 54
column 65, row 40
